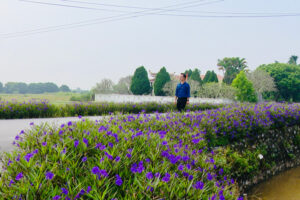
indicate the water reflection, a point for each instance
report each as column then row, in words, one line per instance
column 285, row 186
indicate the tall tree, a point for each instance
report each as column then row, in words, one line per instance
column 140, row 83
column 196, row 76
column 64, row 88
column 1, row 87
column 16, row 87
column 262, row 82
column 210, row 76
column 287, row 80
column 161, row 79
column 231, row 67
column 244, row 88
column 207, row 77
column 189, row 72
column 104, row 87
column 293, row 60
column 213, row 77
column 123, row 86
column 170, row 88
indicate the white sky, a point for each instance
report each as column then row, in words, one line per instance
column 80, row 57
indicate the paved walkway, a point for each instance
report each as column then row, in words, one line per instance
column 10, row 128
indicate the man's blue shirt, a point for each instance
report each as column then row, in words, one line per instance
column 183, row 90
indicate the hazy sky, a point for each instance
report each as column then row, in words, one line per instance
column 82, row 56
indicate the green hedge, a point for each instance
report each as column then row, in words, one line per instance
column 42, row 109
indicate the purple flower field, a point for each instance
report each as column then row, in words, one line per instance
column 166, row 156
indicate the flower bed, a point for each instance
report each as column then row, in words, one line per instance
column 167, row 156
column 42, row 109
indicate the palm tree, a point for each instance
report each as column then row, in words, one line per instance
column 293, row 60
column 231, row 67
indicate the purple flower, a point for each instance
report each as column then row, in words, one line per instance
column 44, row 143
column 157, row 175
column 85, row 141
column 35, row 151
column 190, row 177
column 180, row 167
column 164, row 143
column 185, row 174
column 209, row 177
column 119, row 181
column 109, row 156
column 89, row 188
column 18, row 158
column 147, row 160
column 133, row 168
column 19, row 176
column 196, row 141
column 150, row 188
column 76, row 142
column 221, row 171
column 57, row 197
column 188, row 166
column 111, row 145
column 84, row 159
column 11, row 182
column 128, row 155
column 49, row 175
column 28, row 156
column 149, row 175
column 69, row 123
column 82, row 192
column 198, row 185
column 95, row 170
column 64, row 191
column 104, row 173
column 9, row 162
column 117, row 159
column 140, row 168
column 166, row 178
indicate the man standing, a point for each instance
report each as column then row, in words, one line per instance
column 182, row 94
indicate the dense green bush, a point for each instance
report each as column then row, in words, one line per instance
column 84, row 97
column 217, row 90
column 287, row 81
column 244, row 88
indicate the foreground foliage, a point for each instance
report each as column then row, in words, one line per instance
column 170, row 156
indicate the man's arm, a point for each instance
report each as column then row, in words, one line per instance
column 188, row 94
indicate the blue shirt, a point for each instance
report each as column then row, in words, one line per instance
column 183, row 90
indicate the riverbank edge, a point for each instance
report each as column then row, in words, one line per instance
column 280, row 140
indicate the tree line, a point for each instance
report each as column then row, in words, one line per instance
column 275, row 81
column 32, row 88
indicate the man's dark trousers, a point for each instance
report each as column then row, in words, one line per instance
column 181, row 102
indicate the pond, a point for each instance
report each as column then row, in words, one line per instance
column 285, row 186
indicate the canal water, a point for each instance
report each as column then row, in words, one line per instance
column 284, row 186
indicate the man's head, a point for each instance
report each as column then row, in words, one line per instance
column 182, row 77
